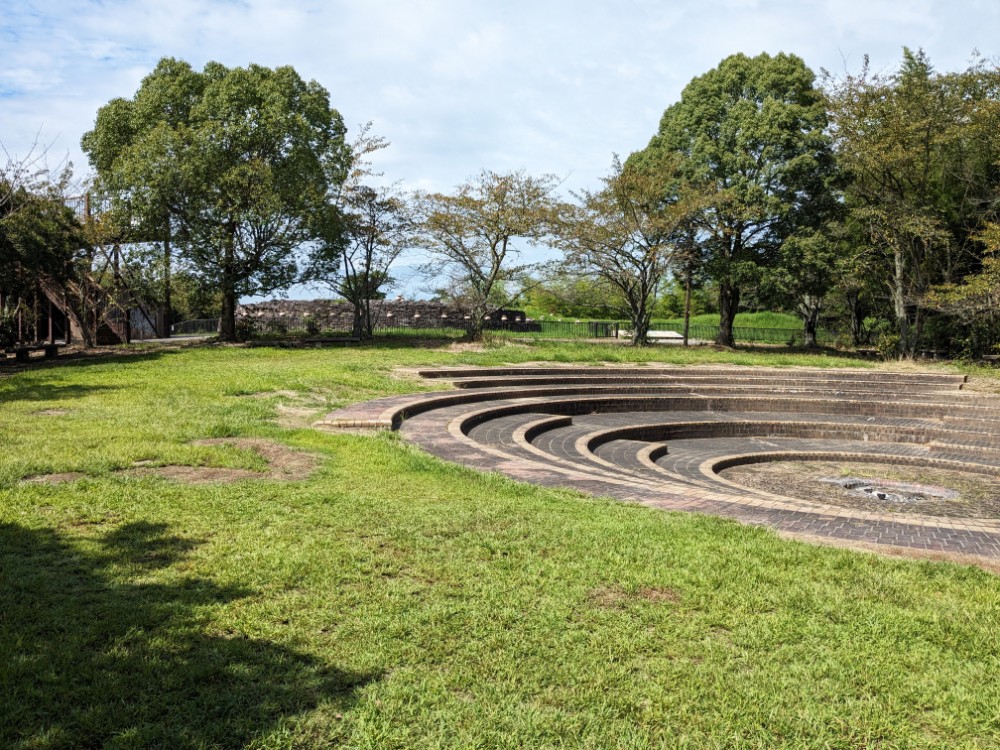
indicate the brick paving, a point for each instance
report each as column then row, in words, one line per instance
column 657, row 436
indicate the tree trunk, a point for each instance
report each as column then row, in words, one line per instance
column 166, row 286
column 857, row 313
column 368, row 321
column 905, row 346
column 687, row 306
column 474, row 327
column 640, row 327
column 227, row 324
column 357, row 326
column 809, row 310
column 729, row 303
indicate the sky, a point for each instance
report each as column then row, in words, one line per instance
column 549, row 86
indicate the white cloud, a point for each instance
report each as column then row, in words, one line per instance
column 480, row 52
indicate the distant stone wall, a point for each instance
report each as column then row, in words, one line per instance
column 339, row 316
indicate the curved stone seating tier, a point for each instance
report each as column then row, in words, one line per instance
column 663, row 436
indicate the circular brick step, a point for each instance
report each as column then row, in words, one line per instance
column 661, row 435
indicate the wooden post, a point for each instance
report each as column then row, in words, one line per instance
column 68, row 336
column 52, row 329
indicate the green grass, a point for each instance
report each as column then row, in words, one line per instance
column 743, row 320
column 395, row 601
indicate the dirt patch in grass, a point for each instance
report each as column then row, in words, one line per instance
column 61, row 478
column 296, row 409
column 50, row 413
column 613, row 597
column 297, row 417
column 658, row 594
column 284, row 464
column 467, row 346
column 194, row 474
column 982, row 385
column 274, row 394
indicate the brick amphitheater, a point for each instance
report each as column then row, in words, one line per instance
column 902, row 460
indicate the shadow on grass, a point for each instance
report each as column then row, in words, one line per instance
column 49, row 392
column 777, row 349
column 88, row 358
column 95, row 655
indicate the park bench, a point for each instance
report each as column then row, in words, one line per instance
column 654, row 336
column 22, row 352
column 664, row 335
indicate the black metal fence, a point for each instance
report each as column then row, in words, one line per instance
column 750, row 335
column 202, row 326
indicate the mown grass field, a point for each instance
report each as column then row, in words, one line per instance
column 783, row 321
column 394, row 601
column 743, row 320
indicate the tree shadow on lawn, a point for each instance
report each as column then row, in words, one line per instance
column 87, row 358
column 90, row 659
column 49, row 391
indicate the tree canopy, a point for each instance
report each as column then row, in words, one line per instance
column 921, row 150
column 754, row 131
column 472, row 237
column 631, row 231
column 872, row 198
column 367, row 230
column 41, row 238
column 235, row 165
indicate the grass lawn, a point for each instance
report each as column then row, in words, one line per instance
column 393, row 601
column 783, row 321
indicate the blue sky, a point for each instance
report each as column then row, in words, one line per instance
column 545, row 85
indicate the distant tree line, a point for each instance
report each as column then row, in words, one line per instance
column 866, row 202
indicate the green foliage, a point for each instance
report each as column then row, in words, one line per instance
column 754, row 132
column 631, row 232
column 569, row 296
column 775, row 320
column 233, row 164
column 40, row 237
column 473, row 236
column 704, row 299
column 920, row 149
column 973, row 307
column 362, row 238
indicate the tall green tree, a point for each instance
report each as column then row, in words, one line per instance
column 753, row 130
column 235, row 165
column 921, row 150
column 808, row 268
column 40, row 239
